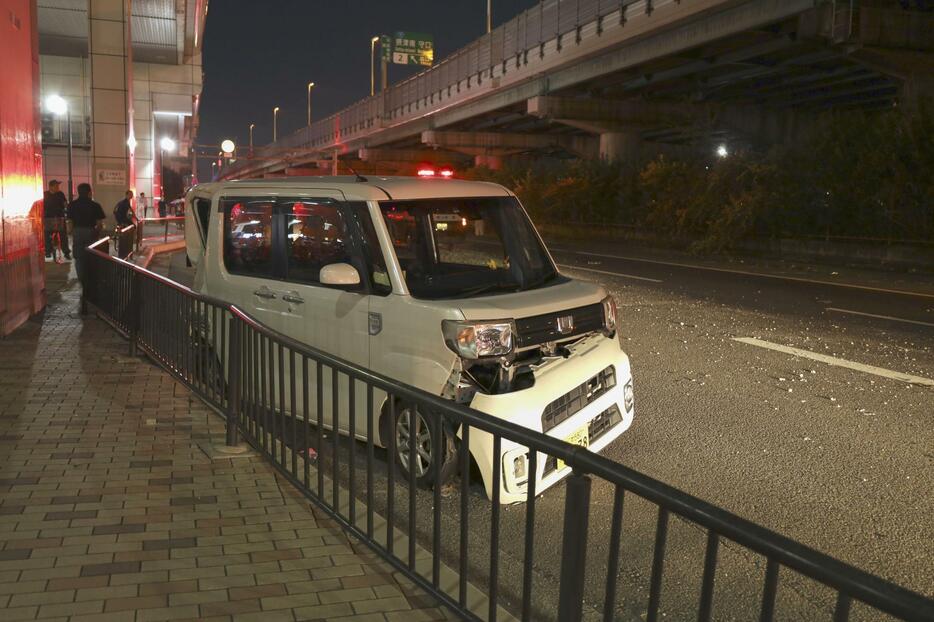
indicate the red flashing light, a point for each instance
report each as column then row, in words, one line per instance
column 446, row 172
column 426, row 172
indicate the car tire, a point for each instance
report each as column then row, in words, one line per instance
column 406, row 413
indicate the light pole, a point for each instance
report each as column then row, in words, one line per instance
column 58, row 106
column 275, row 123
column 252, row 125
column 311, row 85
column 489, row 15
column 166, row 144
column 373, row 41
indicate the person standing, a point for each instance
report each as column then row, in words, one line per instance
column 54, row 206
column 123, row 212
column 143, row 204
column 87, row 217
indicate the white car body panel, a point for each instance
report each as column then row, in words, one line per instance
column 409, row 347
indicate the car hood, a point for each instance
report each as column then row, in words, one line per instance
column 551, row 299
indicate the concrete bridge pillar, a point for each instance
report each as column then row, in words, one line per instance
column 623, row 147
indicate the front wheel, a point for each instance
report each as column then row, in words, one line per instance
column 411, row 427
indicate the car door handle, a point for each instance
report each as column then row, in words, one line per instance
column 265, row 293
column 295, row 299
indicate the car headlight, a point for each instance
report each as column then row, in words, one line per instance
column 609, row 315
column 475, row 340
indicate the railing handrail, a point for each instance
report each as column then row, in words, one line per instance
column 845, row 578
column 146, row 219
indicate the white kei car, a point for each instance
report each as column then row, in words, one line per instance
column 438, row 283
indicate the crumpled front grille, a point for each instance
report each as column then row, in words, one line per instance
column 539, row 329
column 578, row 398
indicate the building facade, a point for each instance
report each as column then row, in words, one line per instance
column 130, row 72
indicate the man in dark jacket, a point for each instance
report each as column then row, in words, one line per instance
column 123, row 211
column 53, row 218
column 86, row 215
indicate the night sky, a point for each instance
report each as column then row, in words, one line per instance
column 258, row 55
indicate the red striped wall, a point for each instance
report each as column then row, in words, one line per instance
column 22, row 266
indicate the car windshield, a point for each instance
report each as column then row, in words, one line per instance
column 457, row 248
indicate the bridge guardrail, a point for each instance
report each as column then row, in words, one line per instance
column 260, row 380
column 482, row 59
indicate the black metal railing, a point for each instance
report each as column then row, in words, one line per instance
column 162, row 226
column 286, row 398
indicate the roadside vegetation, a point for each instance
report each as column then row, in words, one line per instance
column 859, row 174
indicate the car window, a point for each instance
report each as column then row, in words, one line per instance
column 316, row 235
column 248, row 236
column 463, row 247
column 203, row 209
column 371, row 250
column 468, row 238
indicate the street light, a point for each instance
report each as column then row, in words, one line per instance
column 228, row 146
column 166, row 144
column 489, row 15
column 275, row 123
column 57, row 105
column 252, row 125
column 722, row 151
column 373, row 41
column 311, row 85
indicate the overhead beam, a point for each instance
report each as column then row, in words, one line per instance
column 606, row 115
column 389, row 154
column 505, row 143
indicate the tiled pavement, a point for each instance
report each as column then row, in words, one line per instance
column 109, row 510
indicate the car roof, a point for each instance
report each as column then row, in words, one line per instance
column 375, row 188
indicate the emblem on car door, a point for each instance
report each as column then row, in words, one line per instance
column 375, row 323
column 565, row 324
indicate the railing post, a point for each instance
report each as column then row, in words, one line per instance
column 134, row 310
column 574, row 547
column 165, row 237
column 233, row 381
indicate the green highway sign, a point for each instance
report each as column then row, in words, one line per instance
column 408, row 48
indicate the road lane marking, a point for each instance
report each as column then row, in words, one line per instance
column 832, row 360
column 749, row 273
column 881, row 317
column 628, row 276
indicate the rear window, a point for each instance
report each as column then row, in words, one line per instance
column 248, row 248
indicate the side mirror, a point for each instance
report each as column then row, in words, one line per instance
column 339, row 274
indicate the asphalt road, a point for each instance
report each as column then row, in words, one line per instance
column 837, row 457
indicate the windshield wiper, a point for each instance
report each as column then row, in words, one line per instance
column 539, row 282
column 489, row 287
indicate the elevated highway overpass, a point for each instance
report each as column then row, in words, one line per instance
column 618, row 79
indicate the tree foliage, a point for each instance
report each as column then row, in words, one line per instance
column 856, row 174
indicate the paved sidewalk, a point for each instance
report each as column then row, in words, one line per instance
column 109, row 510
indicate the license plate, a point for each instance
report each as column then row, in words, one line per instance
column 578, row 437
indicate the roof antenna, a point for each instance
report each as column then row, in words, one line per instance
column 357, row 175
